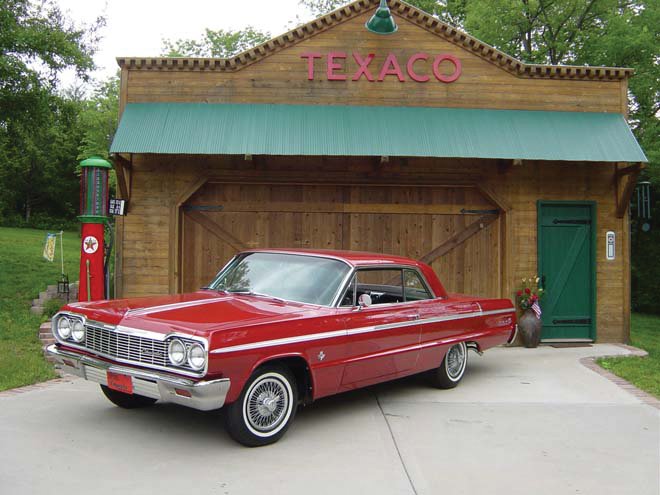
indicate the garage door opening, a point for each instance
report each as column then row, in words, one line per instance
column 456, row 229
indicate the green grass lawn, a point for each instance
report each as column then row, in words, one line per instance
column 23, row 274
column 644, row 373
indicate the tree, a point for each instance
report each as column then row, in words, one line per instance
column 218, row 43
column 36, row 43
column 39, row 134
column 98, row 119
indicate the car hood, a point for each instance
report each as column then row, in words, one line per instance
column 198, row 313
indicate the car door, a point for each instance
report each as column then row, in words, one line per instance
column 382, row 337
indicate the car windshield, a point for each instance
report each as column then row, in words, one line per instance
column 302, row 278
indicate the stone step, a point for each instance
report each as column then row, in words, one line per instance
column 37, row 310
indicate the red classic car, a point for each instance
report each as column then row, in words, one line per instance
column 276, row 329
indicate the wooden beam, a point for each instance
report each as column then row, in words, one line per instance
column 496, row 199
column 623, row 198
column 503, row 166
column 123, row 169
column 364, row 208
column 215, row 229
column 637, row 167
column 458, row 238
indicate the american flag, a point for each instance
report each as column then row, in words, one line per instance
column 537, row 309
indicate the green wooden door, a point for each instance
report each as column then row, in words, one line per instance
column 566, row 263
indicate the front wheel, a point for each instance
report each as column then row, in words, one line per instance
column 265, row 408
column 452, row 369
column 126, row 401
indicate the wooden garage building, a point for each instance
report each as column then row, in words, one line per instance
column 426, row 142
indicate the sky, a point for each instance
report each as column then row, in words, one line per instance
column 137, row 27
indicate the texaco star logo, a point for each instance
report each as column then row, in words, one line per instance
column 90, row 244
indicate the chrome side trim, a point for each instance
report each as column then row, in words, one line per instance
column 355, row 331
column 283, row 341
column 204, row 395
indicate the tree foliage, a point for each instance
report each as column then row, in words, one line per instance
column 36, row 43
column 220, row 43
column 39, row 131
column 98, row 119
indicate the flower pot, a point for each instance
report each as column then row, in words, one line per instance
column 530, row 328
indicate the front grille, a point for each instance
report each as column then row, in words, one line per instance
column 122, row 346
column 127, row 347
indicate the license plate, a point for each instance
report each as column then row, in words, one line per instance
column 120, row 383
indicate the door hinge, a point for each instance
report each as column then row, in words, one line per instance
column 479, row 212
column 571, row 222
column 577, row 321
column 203, row 208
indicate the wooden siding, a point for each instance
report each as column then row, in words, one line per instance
column 222, row 219
column 282, row 78
column 146, row 258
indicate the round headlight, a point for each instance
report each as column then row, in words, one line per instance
column 78, row 331
column 196, row 357
column 177, row 352
column 64, row 327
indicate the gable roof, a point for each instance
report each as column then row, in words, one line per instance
column 359, row 7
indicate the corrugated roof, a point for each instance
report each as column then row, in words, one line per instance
column 238, row 129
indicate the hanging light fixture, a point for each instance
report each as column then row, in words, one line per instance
column 382, row 21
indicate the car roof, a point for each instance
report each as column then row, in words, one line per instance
column 355, row 258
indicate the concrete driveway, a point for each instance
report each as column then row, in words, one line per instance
column 522, row 421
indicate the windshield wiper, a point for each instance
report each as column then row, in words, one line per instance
column 258, row 294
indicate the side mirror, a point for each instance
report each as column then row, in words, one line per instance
column 364, row 301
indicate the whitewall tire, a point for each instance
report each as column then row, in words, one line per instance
column 265, row 408
column 452, row 369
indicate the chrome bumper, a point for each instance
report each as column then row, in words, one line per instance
column 204, row 395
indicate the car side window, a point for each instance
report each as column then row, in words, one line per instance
column 414, row 287
column 384, row 286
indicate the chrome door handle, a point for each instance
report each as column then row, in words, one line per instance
column 413, row 317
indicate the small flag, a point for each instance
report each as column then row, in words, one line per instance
column 49, row 248
column 537, row 309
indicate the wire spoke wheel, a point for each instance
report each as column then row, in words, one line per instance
column 266, row 404
column 265, row 408
column 453, row 366
column 456, row 361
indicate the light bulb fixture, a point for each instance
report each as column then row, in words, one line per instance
column 382, row 21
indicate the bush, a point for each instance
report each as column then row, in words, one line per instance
column 41, row 221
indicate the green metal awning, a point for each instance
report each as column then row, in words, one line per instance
column 314, row 130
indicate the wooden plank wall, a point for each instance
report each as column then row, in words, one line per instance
column 282, row 78
column 159, row 182
column 222, row 219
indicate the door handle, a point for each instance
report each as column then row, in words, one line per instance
column 414, row 317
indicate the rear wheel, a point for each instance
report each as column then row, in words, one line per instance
column 127, row 401
column 265, row 408
column 452, row 369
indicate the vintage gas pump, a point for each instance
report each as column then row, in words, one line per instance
column 93, row 215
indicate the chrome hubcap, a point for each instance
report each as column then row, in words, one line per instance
column 267, row 404
column 456, row 361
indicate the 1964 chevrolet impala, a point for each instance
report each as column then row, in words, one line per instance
column 275, row 329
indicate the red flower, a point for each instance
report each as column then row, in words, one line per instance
column 519, row 293
column 535, row 298
column 527, row 290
